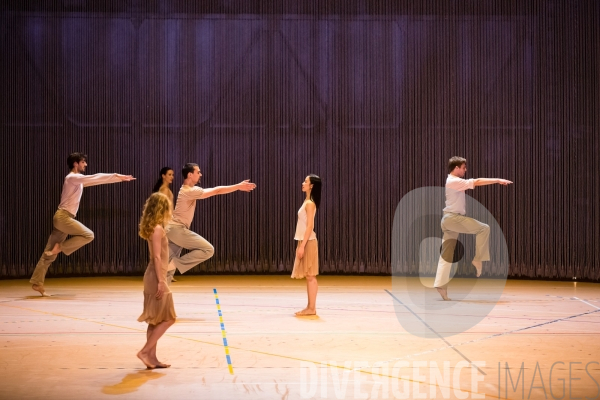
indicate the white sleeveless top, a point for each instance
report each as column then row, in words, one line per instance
column 301, row 225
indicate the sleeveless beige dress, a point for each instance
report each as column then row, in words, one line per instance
column 157, row 311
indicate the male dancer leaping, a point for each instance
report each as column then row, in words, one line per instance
column 454, row 222
column 178, row 231
column 64, row 219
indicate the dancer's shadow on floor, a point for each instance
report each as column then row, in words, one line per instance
column 308, row 317
column 54, row 296
column 131, row 382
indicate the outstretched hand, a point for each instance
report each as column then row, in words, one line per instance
column 246, row 186
column 504, row 182
column 126, row 178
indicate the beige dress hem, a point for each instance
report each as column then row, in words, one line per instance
column 309, row 264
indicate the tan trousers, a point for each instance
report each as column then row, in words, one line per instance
column 65, row 225
column 180, row 238
column 452, row 226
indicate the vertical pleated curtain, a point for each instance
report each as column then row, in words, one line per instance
column 371, row 96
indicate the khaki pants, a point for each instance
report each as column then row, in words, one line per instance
column 170, row 274
column 452, row 225
column 65, row 225
column 180, row 238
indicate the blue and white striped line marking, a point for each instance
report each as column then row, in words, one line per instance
column 223, row 332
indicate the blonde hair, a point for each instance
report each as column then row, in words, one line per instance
column 157, row 211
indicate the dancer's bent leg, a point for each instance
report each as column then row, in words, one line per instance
column 39, row 274
column 200, row 249
column 462, row 224
column 170, row 276
column 80, row 234
column 442, row 276
column 64, row 225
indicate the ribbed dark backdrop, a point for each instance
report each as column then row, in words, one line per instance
column 374, row 96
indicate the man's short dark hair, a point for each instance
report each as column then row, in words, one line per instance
column 75, row 158
column 456, row 162
column 187, row 168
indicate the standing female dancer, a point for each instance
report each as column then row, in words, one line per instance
column 306, row 264
column 159, row 311
column 165, row 179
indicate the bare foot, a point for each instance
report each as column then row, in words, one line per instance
column 478, row 265
column 55, row 250
column 40, row 288
column 305, row 312
column 158, row 364
column 443, row 292
column 145, row 360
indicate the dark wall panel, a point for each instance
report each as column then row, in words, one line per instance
column 373, row 99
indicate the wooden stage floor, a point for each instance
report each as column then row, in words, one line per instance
column 541, row 340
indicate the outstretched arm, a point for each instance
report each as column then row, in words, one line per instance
column 244, row 186
column 125, row 178
column 98, row 179
column 491, row 181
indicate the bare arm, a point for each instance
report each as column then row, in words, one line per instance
column 156, row 250
column 244, row 186
column 311, row 210
column 491, row 181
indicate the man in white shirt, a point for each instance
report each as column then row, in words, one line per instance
column 455, row 222
column 178, row 231
column 64, row 221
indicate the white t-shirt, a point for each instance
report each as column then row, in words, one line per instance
column 455, row 194
column 73, row 188
column 186, row 205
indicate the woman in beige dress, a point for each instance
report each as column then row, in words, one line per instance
column 306, row 264
column 159, row 311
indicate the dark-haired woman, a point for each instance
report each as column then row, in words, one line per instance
column 306, row 264
column 162, row 185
